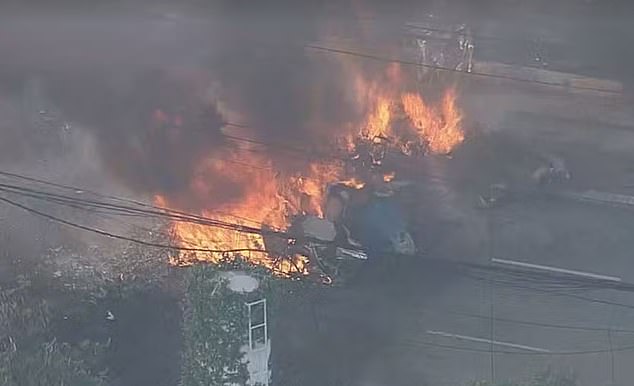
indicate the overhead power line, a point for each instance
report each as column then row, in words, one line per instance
column 386, row 59
column 379, row 58
column 476, row 35
column 121, row 237
column 456, row 31
column 143, row 242
column 116, row 208
column 145, row 210
column 571, row 327
column 259, row 142
column 31, row 193
column 507, row 277
column 238, row 228
column 111, row 197
column 418, row 343
column 555, row 292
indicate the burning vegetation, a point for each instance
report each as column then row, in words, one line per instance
column 274, row 199
column 406, row 120
column 270, row 196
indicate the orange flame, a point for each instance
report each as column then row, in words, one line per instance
column 267, row 197
column 378, row 122
column 439, row 127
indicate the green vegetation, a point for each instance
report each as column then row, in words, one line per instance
column 53, row 329
column 216, row 322
column 215, row 329
column 46, row 364
column 29, row 356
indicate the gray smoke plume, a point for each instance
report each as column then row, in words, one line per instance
column 150, row 131
column 138, row 83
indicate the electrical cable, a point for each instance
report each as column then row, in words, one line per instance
column 160, row 212
column 529, row 323
column 417, row 343
column 467, row 269
column 157, row 213
column 462, row 265
column 121, row 237
column 559, row 293
column 340, row 51
column 414, row 26
column 111, row 197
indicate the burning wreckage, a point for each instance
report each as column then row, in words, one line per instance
column 549, row 176
column 358, row 224
column 355, row 220
column 340, row 208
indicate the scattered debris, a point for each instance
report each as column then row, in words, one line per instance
column 496, row 194
column 553, row 171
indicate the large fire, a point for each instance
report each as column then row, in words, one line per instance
column 438, row 128
column 270, row 197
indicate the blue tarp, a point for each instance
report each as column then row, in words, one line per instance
column 376, row 223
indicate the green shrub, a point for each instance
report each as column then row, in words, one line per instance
column 29, row 356
column 215, row 329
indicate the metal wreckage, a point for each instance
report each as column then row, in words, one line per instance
column 551, row 174
column 320, row 222
column 360, row 223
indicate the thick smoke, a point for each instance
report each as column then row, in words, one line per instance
column 287, row 93
column 151, row 129
column 140, row 85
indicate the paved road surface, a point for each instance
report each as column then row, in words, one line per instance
column 375, row 331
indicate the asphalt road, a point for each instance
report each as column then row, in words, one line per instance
column 397, row 325
column 377, row 331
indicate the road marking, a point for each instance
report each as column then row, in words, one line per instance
column 601, row 197
column 488, row 341
column 555, row 269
